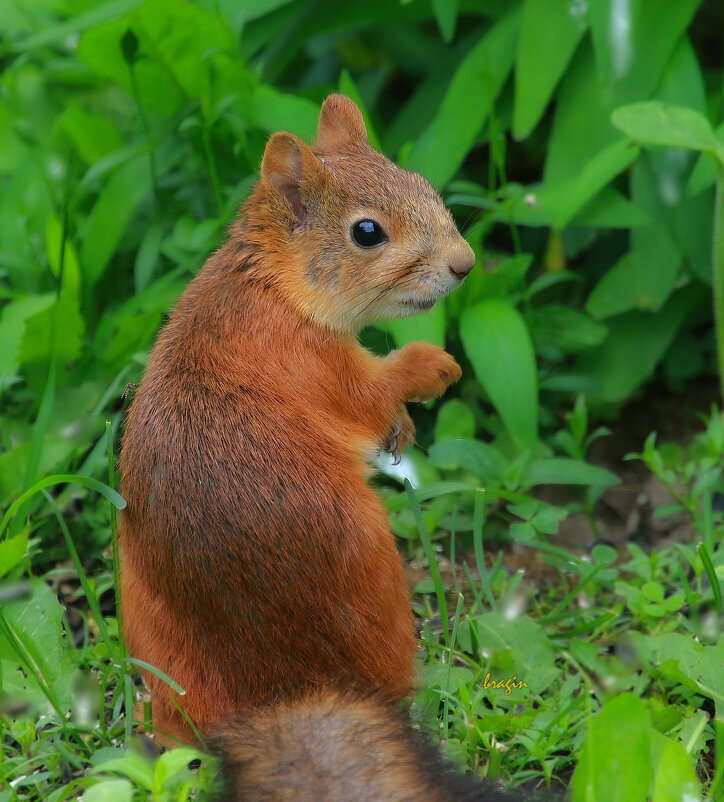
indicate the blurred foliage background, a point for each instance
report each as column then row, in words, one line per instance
column 130, row 131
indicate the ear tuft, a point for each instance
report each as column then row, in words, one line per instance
column 286, row 164
column 341, row 123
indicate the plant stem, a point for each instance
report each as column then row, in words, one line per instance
column 718, row 276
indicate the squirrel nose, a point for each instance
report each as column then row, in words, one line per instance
column 462, row 261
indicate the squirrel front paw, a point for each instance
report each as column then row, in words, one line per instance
column 431, row 370
column 401, row 434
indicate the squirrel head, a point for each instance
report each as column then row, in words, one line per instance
column 353, row 238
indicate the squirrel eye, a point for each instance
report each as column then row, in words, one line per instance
column 368, row 233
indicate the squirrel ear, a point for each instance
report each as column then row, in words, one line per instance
column 287, row 162
column 341, row 123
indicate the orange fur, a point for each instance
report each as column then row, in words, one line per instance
column 257, row 563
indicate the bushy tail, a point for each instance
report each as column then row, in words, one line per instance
column 331, row 747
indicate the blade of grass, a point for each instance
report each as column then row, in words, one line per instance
column 555, row 614
column 61, row 479
column 90, row 593
column 450, row 658
column 431, row 561
column 478, row 545
column 714, row 580
column 157, row 671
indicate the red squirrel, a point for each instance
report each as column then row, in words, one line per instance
column 257, row 563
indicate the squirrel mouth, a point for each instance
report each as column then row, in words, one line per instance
column 422, row 304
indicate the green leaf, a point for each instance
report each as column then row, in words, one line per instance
column 109, row 791
column 110, row 216
column 674, row 775
column 13, row 320
column 497, row 343
column 705, row 172
column 616, row 377
column 12, row 551
column 560, row 327
column 615, row 292
column 75, row 25
column 455, row 419
column 615, row 763
column 348, row 87
column 131, row 765
column 656, row 123
column 557, row 204
column 482, row 459
column 634, row 42
column 171, row 763
column 36, row 626
column 446, row 14
column 56, row 332
column 93, row 135
column 549, row 34
column 440, row 150
column 581, row 121
column 272, row 110
column 562, row 471
column 429, row 327
column 529, row 650
column 62, row 479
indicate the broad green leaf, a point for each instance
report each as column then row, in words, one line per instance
column 615, row 763
column 700, row 664
column 109, row 791
column 674, row 776
column 429, row 327
column 657, row 123
column 581, row 121
column 634, row 41
column 13, row 320
column 37, row 630
column 482, row 459
column 550, row 31
column 439, row 152
column 498, row 346
column 562, row 471
column 110, row 216
column 171, row 763
column 616, row 377
column 531, row 655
